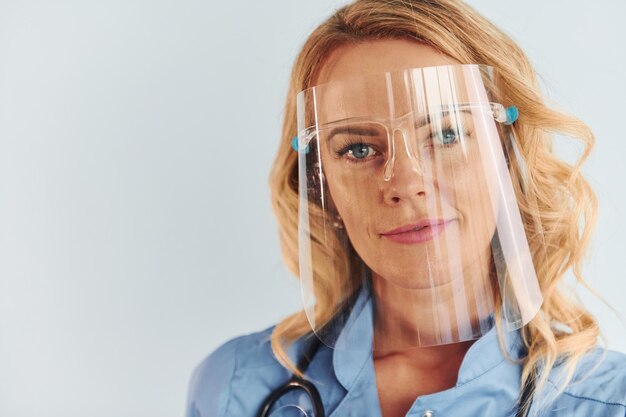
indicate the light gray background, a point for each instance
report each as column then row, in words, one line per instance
column 136, row 138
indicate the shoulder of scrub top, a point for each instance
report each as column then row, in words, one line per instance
column 209, row 386
column 600, row 378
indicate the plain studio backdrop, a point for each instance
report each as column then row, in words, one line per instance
column 136, row 138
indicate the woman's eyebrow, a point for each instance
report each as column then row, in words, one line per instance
column 426, row 119
column 357, row 130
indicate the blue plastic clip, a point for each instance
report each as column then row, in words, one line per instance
column 511, row 115
column 294, row 145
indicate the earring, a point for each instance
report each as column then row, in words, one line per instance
column 338, row 223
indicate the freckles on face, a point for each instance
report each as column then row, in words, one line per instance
column 370, row 206
column 356, row 201
column 450, row 188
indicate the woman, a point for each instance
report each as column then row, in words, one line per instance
column 434, row 227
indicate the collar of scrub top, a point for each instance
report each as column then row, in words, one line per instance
column 482, row 356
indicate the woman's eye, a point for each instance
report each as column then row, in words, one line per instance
column 448, row 136
column 358, row 151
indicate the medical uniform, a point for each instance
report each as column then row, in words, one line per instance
column 234, row 380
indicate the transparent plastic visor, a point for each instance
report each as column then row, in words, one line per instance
column 410, row 228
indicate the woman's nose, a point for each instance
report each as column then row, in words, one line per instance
column 406, row 171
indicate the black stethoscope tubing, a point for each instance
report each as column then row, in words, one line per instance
column 296, row 382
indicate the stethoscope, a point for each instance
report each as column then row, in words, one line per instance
column 299, row 383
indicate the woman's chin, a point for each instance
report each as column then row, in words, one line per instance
column 421, row 279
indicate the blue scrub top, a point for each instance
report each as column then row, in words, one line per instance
column 235, row 379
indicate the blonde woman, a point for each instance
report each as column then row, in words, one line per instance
column 430, row 224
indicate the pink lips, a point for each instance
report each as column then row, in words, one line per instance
column 421, row 231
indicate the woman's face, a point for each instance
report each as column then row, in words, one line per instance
column 444, row 192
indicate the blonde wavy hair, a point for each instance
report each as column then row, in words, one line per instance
column 562, row 199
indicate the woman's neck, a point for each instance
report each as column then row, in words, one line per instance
column 453, row 311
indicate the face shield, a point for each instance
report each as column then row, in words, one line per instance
column 412, row 192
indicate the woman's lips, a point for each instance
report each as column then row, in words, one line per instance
column 423, row 234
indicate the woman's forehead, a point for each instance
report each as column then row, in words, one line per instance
column 369, row 79
column 379, row 56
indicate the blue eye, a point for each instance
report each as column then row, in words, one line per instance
column 357, row 151
column 448, row 136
